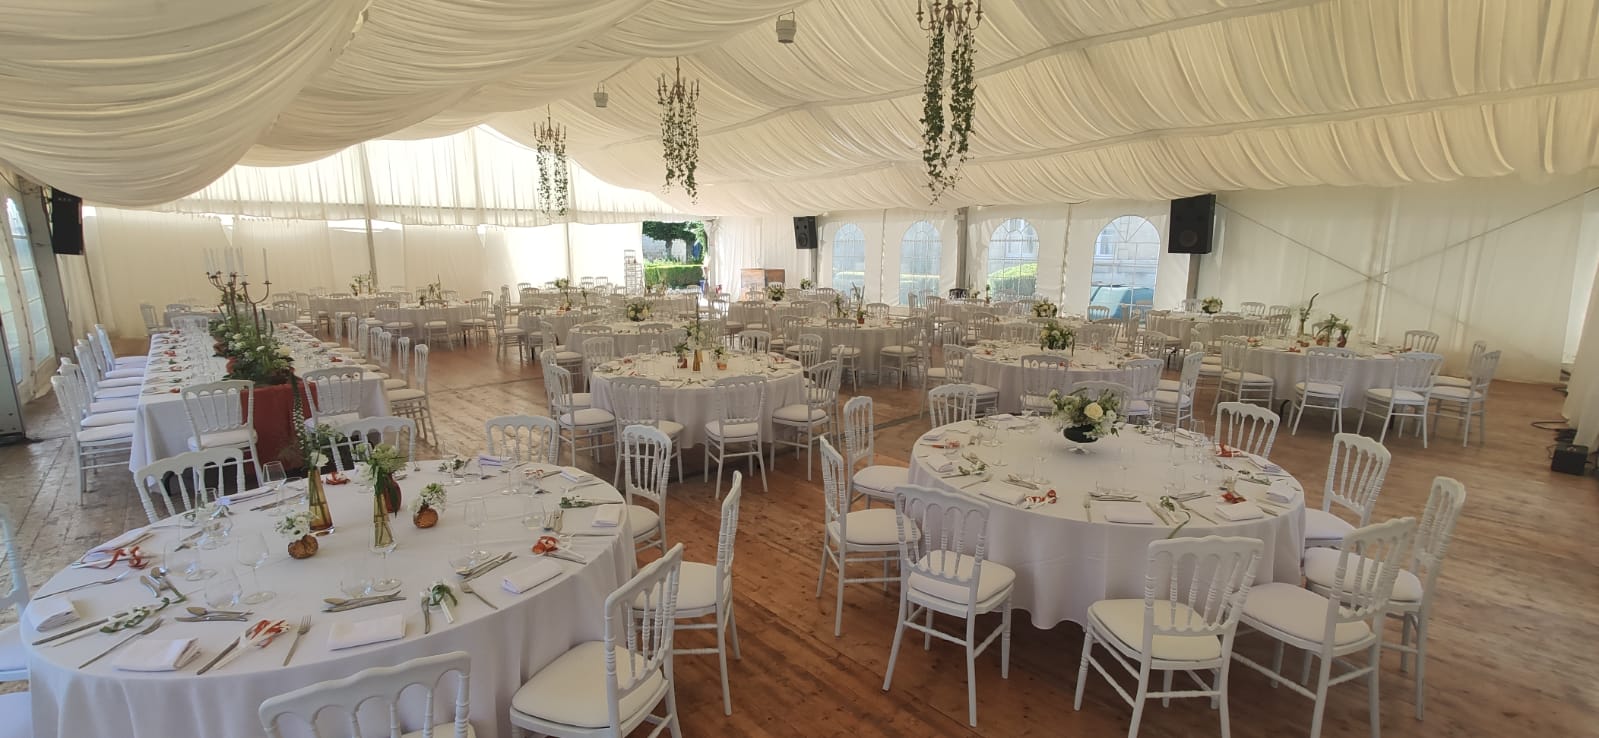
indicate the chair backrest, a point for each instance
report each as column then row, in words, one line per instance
column 1188, row 378
column 1246, row 427
column 219, row 406
column 18, row 595
column 1416, row 370
column 943, row 537
column 1355, row 474
column 951, row 403
column 726, row 537
column 402, row 359
column 101, row 339
column 646, row 457
column 1093, row 389
column 597, row 351
column 147, row 311
column 531, row 438
column 860, row 431
column 397, row 432
column 1482, row 371
column 383, row 685
column 1328, row 364
column 1369, row 560
column 835, row 489
column 1018, row 332
column 557, row 384
column 1253, row 308
column 635, row 401
column 1042, row 373
column 639, row 617
column 1421, row 341
column 363, row 341
column 1143, row 378
column 419, row 368
column 1151, row 342
column 1204, row 583
column 1234, row 351
column 88, row 369
column 71, row 392
column 739, row 399
column 954, row 358
column 1436, row 529
column 811, row 349
column 755, row 341
column 333, row 391
column 823, row 392
column 184, row 476
column 876, row 309
column 382, row 348
column 1097, row 312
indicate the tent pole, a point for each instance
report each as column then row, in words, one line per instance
column 366, row 211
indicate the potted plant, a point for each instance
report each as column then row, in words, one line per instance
column 638, row 311
column 425, row 508
column 1083, row 419
column 1056, row 337
column 296, row 526
column 1210, row 305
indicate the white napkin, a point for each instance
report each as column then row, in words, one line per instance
column 932, row 435
column 607, row 516
column 941, row 464
column 1283, row 492
column 363, row 632
column 490, row 460
column 53, row 612
column 157, row 654
column 1187, row 435
column 1239, row 511
column 105, row 549
column 1127, row 512
column 530, row 576
column 1266, row 466
column 250, row 494
column 1251, row 489
column 1004, row 493
column 576, row 475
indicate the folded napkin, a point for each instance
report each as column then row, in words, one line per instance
column 1267, row 467
column 1251, row 489
column 1239, row 511
column 1128, row 512
column 249, row 494
column 576, row 475
column 52, row 613
column 932, row 435
column 1018, row 481
column 490, row 460
column 943, row 465
column 530, row 576
column 103, row 550
column 1005, row 494
column 364, row 632
column 1283, row 492
column 607, row 516
column 157, row 654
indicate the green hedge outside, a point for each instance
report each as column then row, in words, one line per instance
column 1021, row 279
column 673, row 275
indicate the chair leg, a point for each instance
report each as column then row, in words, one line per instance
column 1082, row 668
column 721, row 658
column 732, row 630
column 821, row 570
column 971, row 670
column 893, row 651
column 1166, row 687
column 1004, row 644
column 1373, row 699
column 1321, row 696
column 1139, row 700
column 838, row 606
column 1421, row 665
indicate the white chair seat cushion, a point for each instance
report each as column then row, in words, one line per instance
column 882, row 479
column 871, row 527
column 1321, row 525
column 1400, row 397
column 18, row 709
column 1447, row 381
column 586, row 417
column 562, row 356
column 696, row 587
column 735, row 432
column 13, row 658
column 642, row 521
column 1455, row 394
column 399, row 324
column 1246, row 377
column 436, row 324
column 236, row 438
column 132, row 372
column 939, row 372
column 734, row 326
column 993, row 580
column 105, row 433
column 898, row 351
column 849, row 351
column 1172, row 397
column 1207, row 370
column 107, row 393
column 1324, row 389
column 1124, row 620
column 1169, row 385
column 798, row 413
column 112, row 418
column 1297, row 612
column 571, row 689
column 580, row 400
column 671, row 428
column 442, row 730
column 1211, row 360
column 113, row 405
column 393, row 384
column 983, row 390
column 115, row 382
column 406, row 395
column 1321, row 567
column 512, row 332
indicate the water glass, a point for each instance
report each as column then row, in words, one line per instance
column 187, row 561
column 357, row 579
column 477, row 516
column 223, row 590
column 272, row 475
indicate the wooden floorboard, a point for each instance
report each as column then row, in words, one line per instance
column 1513, row 629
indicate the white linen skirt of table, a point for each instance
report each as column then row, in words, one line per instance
column 507, row 645
column 748, row 314
column 1287, row 367
column 1006, row 376
column 692, row 405
column 562, row 323
column 869, row 339
column 628, row 342
column 1065, row 563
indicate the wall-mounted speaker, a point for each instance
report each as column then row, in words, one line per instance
column 66, row 223
column 1192, row 223
column 805, row 232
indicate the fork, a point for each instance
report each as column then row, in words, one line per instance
column 112, row 580
column 466, row 586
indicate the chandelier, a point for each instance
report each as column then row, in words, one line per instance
column 951, row 27
column 555, row 182
column 680, row 131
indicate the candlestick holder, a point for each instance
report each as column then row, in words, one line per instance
column 235, row 289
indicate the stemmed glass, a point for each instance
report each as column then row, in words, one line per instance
column 477, row 516
column 1124, row 460
column 1202, row 450
column 273, row 476
column 252, row 551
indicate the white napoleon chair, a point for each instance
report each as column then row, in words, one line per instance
column 578, row 421
column 943, row 540
column 867, row 536
column 523, row 438
column 1194, row 592
column 1143, row 379
column 1326, row 370
column 754, row 341
column 399, row 370
column 1238, row 382
column 1355, row 474
column 637, row 401
column 951, row 403
column 874, row 480
column 1179, row 402
column 1245, row 427
column 334, row 394
column 95, row 446
column 802, row 419
column 738, row 430
column 186, row 477
column 706, row 590
column 1478, row 348
column 1408, row 396
column 363, row 692
column 222, row 414
column 609, row 687
column 412, row 402
column 646, row 464
column 378, row 429
column 13, row 659
column 1471, row 401
column 1418, row 340
column 1040, row 374
column 596, row 351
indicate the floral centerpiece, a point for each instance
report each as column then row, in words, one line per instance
column 1330, row 324
column 564, row 285
column 721, row 356
column 839, row 308
column 1210, row 305
column 638, row 311
column 1304, row 313
column 296, row 526
column 807, row 283
column 425, row 508
column 382, row 461
column 1086, row 420
column 1053, row 336
column 362, row 284
column 775, row 292
column 1045, row 309
column 432, row 294
column 308, row 445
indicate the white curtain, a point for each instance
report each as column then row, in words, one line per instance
column 1491, row 260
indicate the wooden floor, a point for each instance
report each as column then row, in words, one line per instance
column 1513, row 632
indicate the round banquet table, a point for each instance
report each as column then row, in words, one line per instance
column 869, row 339
column 750, row 312
column 527, row 632
column 1067, row 558
column 686, row 396
column 625, row 335
column 998, row 364
column 562, row 322
column 1284, row 362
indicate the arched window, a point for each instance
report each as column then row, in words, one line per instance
column 1013, row 259
column 1126, row 257
column 849, row 258
column 919, row 250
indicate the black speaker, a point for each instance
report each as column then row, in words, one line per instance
column 1192, row 222
column 1569, row 459
column 805, row 232
column 66, row 223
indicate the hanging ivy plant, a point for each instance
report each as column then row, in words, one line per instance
column 555, row 186
column 951, row 32
column 680, row 131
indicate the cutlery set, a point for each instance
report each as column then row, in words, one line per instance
column 337, row 605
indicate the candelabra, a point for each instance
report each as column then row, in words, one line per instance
column 235, row 288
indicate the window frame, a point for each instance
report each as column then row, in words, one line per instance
column 1011, row 232
column 914, row 245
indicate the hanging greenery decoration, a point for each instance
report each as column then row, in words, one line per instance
column 555, row 182
column 951, row 27
column 680, row 130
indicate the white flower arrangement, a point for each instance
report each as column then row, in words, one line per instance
column 1210, row 305
column 294, row 525
column 433, row 496
column 775, row 292
column 1045, row 309
column 1054, row 336
column 1101, row 416
column 638, row 311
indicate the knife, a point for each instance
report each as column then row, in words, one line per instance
column 188, row 540
column 65, row 633
column 485, row 566
column 284, row 501
column 489, row 567
column 427, row 619
column 119, row 644
column 220, row 656
column 367, row 603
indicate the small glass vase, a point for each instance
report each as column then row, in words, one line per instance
column 388, row 491
column 316, row 499
column 382, row 535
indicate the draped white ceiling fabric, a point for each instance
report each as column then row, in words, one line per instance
column 139, row 103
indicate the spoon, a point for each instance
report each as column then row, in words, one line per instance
column 160, row 576
column 150, row 584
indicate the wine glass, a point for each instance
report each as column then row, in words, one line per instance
column 273, row 476
column 223, row 590
column 252, row 551
column 477, row 516
column 534, row 514
column 1124, row 461
column 1201, row 450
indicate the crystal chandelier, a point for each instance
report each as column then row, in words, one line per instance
column 951, row 27
column 680, row 130
column 555, row 183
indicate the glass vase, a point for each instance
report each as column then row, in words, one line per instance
column 316, row 499
column 382, row 536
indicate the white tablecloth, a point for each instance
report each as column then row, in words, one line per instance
column 507, row 645
column 160, row 425
column 624, row 335
column 686, row 396
column 869, row 338
column 416, row 316
column 1288, row 367
column 999, row 365
column 1063, row 561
